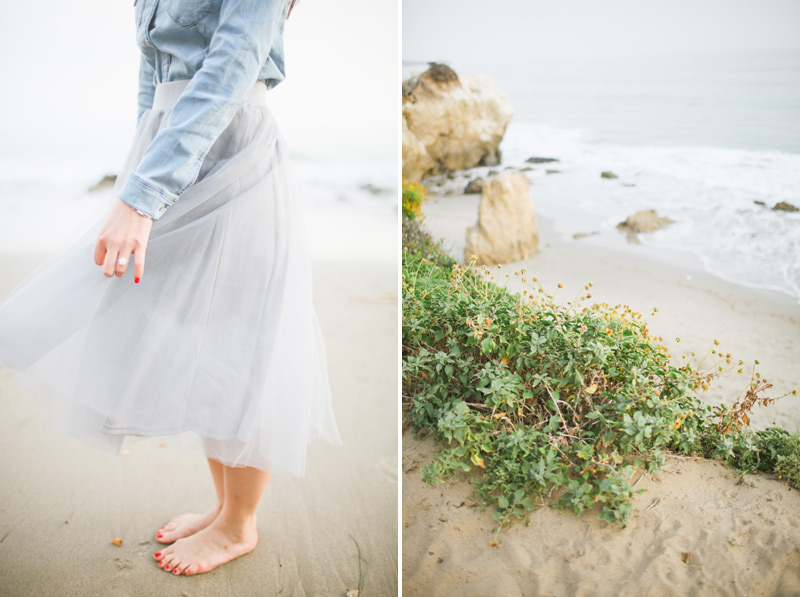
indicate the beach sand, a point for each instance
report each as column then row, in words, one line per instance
column 696, row 530
column 62, row 504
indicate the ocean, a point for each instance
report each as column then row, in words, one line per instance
column 711, row 141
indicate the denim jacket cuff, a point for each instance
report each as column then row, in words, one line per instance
column 145, row 197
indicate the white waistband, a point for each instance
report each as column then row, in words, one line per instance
column 168, row 93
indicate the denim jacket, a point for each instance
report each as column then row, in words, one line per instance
column 224, row 47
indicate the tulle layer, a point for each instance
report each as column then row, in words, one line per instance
column 219, row 338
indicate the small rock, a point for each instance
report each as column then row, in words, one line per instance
column 526, row 169
column 352, row 593
column 643, row 221
column 783, row 206
column 474, row 187
column 492, row 158
column 761, row 203
column 552, row 171
column 608, row 174
column 104, row 183
column 535, row 160
column 492, row 173
column 117, row 541
column 580, row 235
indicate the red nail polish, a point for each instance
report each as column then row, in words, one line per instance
column 158, row 535
column 175, row 571
column 136, row 280
column 166, row 568
column 158, row 554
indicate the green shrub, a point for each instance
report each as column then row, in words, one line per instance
column 538, row 400
column 414, row 195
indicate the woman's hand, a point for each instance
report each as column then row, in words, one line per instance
column 124, row 232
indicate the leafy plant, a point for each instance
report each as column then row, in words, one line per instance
column 414, row 195
column 537, row 400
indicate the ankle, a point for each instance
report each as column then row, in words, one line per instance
column 237, row 525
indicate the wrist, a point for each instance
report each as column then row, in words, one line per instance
column 141, row 213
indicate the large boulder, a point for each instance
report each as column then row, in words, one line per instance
column 506, row 230
column 450, row 123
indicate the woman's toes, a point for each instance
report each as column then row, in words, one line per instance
column 179, row 568
column 157, row 555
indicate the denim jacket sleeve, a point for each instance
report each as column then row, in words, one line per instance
column 238, row 48
column 147, row 87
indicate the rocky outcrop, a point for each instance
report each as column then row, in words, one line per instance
column 104, row 183
column 783, row 206
column 474, row 186
column 608, row 174
column 506, row 230
column 451, row 123
column 536, row 160
column 646, row 220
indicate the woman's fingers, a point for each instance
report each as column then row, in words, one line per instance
column 123, row 258
column 138, row 265
column 110, row 262
column 122, row 238
column 99, row 253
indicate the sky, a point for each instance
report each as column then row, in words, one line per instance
column 477, row 32
column 71, row 78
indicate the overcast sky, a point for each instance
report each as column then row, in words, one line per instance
column 481, row 32
column 70, row 76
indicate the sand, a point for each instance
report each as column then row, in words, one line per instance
column 61, row 504
column 696, row 530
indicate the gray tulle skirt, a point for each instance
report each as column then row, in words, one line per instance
column 218, row 346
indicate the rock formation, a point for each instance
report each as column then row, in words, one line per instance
column 783, row 206
column 537, row 160
column 608, row 174
column 474, row 186
column 450, row 123
column 506, row 230
column 646, row 220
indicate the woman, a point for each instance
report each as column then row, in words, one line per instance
column 215, row 338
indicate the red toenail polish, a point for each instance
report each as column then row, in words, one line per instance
column 158, row 554
column 166, row 568
column 159, row 535
column 136, row 280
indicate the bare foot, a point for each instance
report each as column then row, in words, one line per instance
column 211, row 547
column 185, row 525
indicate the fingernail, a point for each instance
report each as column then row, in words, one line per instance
column 136, row 280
